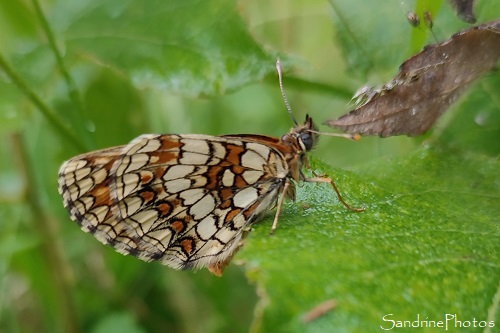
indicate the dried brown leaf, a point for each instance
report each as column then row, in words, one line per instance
column 426, row 85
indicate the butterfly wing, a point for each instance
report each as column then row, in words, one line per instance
column 184, row 200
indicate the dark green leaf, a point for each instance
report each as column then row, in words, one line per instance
column 193, row 47
column 427, row 244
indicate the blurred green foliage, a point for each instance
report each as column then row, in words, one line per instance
column 93, row 74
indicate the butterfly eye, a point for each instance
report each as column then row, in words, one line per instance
column 307, row 140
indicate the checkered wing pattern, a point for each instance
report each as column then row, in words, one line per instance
column 184, row 200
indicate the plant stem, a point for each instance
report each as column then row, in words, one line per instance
column 46, row 111
column 73, row 91
column 58, row 268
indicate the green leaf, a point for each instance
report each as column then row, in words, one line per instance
column 427, row 244
column 193, row 47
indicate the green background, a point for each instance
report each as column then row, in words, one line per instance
column 82, row 75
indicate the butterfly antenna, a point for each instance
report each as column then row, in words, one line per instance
column 285, row 99
column 354, row 137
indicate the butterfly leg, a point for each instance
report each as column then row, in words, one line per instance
column 286, row 188
column 322, row 179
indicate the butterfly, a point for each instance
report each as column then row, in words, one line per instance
column 186, row 200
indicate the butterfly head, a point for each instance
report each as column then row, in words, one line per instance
column 304, row 137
